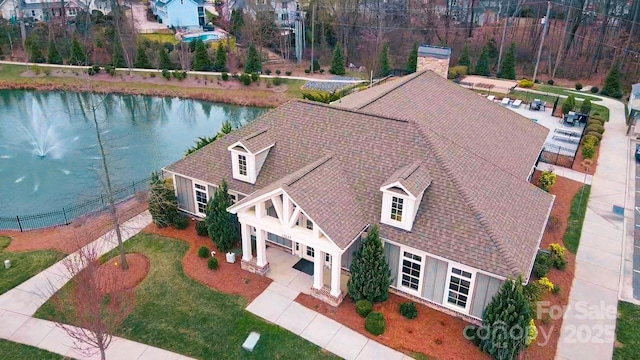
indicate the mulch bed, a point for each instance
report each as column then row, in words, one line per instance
column 564, row 190
column 69, row 238
column 228, row 278
column 432, row 333
column 112, row 278
column 578, row 164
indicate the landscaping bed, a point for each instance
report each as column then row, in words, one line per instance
column 433, row 333
column 112, row 278
column 177, row 313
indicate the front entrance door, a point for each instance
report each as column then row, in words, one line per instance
column 307, row 252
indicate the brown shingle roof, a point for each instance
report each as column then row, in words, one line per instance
column 473, row 212
column 413, row 177
column 258, row 141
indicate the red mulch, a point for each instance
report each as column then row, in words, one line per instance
column 432, row 333
column 578, row 164
column 228, row 278
column 69, row 238
column 112, row 278
column 564, row 190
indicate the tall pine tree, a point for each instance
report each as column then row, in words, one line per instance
column 220, row 63
column 142, row 60
column 35, row 54
column 612, row 86
column 53, row 55
column 465, row 57
column 117, row 59
column 483, row 66
column 222, row 225
column 337, row 64
column 164, row 62
column 369, row 271
column 254, row 62
column 506, row 321
column 78, row 55
column 163, row 204
column 412, row 62
column 508, row 68
column 385, row 66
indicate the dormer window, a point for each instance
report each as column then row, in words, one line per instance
column 396, row 208
column 242, row 165
column 249, row 154
column 402, row 194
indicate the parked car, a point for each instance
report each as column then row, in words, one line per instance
column 637, row 152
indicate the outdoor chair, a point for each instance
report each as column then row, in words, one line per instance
column 491, row 97
column 516, row 103
column 505, row 101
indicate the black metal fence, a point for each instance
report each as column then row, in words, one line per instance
column 557, row 155
column 66, row 214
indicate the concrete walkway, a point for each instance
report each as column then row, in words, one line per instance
column 277, row 304
column 588, row 329
column 566, row 173
column 18, row 305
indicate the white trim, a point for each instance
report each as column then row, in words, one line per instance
column 196, row 209
column 416, row 292
column 239, row 143
column 528, row 275
column 472, row 283
column 398, row 185
column 198, row 180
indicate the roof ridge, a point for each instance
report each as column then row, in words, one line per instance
column 251, row 136
column 313, row 166
column 353, row 111
column 402, row 81
column 413, row 167
column 484, row 223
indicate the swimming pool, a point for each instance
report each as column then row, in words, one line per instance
column 205, row 36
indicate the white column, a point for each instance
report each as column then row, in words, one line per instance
column 246, row 242
column 336, row 260
column 318, row 269
column 261, row 248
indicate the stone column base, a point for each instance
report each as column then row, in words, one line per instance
column 324, row 295
column 252, row 266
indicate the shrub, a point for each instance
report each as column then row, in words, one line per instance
column 96, row 68
column 203, row 252
column 595, row 121
column 558, row 256
column 152, row 75
column 245, row 79
column 409, row 310
column 277, row 81
column 212, row 263
column 550, row 82
column 267, row 71
column 542, row 264
column 596, row 135
column 278, row 72
column 364, row 307
column 532, row 333
column 166, row 74
column 316, row 65
column 553, row 222
column 556, row 289
column 525, row 83
column 110, row 69
column 590, row 138
column 201, row 228
column 547, row 180
column 375, row 323
column 181, row 221
column 369, row 270
column 533, row 292
column 594, row 90
column 288, row 73
column 225, row 76
column 456, row 72
column 307, row 71
column 588, row 150
column 585, row 107
column 90, row 71
column 578, row 86
column 569, row 104
column 546, row 283
column 222, row 226
column 255, row 76
column 180, row 75
column 596, row 128
column 321, row 71
column 46, row 71
column 163, row 204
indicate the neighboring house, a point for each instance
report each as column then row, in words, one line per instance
column 443, row 172
column 284, row 11
column 46, row 10
column 179, row 13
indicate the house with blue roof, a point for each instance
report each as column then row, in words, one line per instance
column 179, row 13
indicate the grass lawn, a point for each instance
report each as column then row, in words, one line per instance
column 15, row 351
column 574, row 225
column 179, row 314
column 162, row 38
column 564, row 91
column 24, row 264
column 627, row 332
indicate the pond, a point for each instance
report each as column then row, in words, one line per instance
column 49, row 155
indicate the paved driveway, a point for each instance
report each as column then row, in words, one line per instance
column 142, row 24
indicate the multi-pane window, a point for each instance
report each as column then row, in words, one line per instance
column 242, row 165
column 233, row 198
column 396, row 208
column 411, row 265
column 327, row 258
column 459, row 285
column 310, row 251
column 201, row 198
column 309, row 224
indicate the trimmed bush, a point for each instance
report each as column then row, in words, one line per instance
column 364, row 307
column 550, row 82
column 181, row 221
column 556, row 289
column 542, row 265
column 203, row 252
column 525, row 83
column 409, row 310
column 375, row 323
column 110, row 69
column 307, row 71
column 212, row 264
column 288, row 73
column 588, row 150
column 594, row 90
column 585, row 107
column 569, row 104
column 547, row 180
column 595, row 121
column 267, row 71
column 166, row 74
column 277, row 81
column 225, row 76
column 578, row 86
column 596, row 135
column 201, row 228
column 278, row 72
column 255, row 77
column 596, row 128
column 558, row 256
column 456, row 72
column 90, row 71
column 321, row 71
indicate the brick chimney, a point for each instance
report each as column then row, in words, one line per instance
column 434, row 58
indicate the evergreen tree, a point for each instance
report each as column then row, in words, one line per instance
column 412, row 62
column 465, row 57
column 53, row 55
column 483, row 65
column 35, row 54
column 78, row 55
column 1, row 53
column 585, row 108
column 569, row 104
column 385, row 66
column 201, row 61
column 142, row 60
column 369, row 271
column 612, row 86
column 223, row 226
column 254, row 61
column 164, row 62
column 163, row 204
column 506, row 321
column 225, row 129
column 492, row 49
column 220, row 63
column 117, row 59
column 337, row 64
column 508, row 69
column 237, row 22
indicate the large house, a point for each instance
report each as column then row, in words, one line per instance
column 50, row 10
column 179, row 13
column 443, row 172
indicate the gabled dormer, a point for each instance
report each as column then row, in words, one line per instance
column 402, row 194
column 249, row 154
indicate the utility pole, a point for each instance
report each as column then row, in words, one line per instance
column 544, row 31
column 313, row 32
column 504, row 33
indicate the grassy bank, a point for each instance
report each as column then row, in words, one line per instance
column 627, row 334
column 15, row 351
column 24, row 265
column 177, row 313
column 574, row 226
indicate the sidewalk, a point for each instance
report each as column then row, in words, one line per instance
column 277, row 304
column 588, row 329
column 566, row 173
column 18, row 305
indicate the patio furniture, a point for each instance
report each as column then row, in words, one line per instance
column 491, row 97
column 571, row 118
column 536, row 105
column 505, row 101
column 568, row 139
column 516, row 103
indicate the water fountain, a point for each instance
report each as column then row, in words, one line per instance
column 41, row 133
